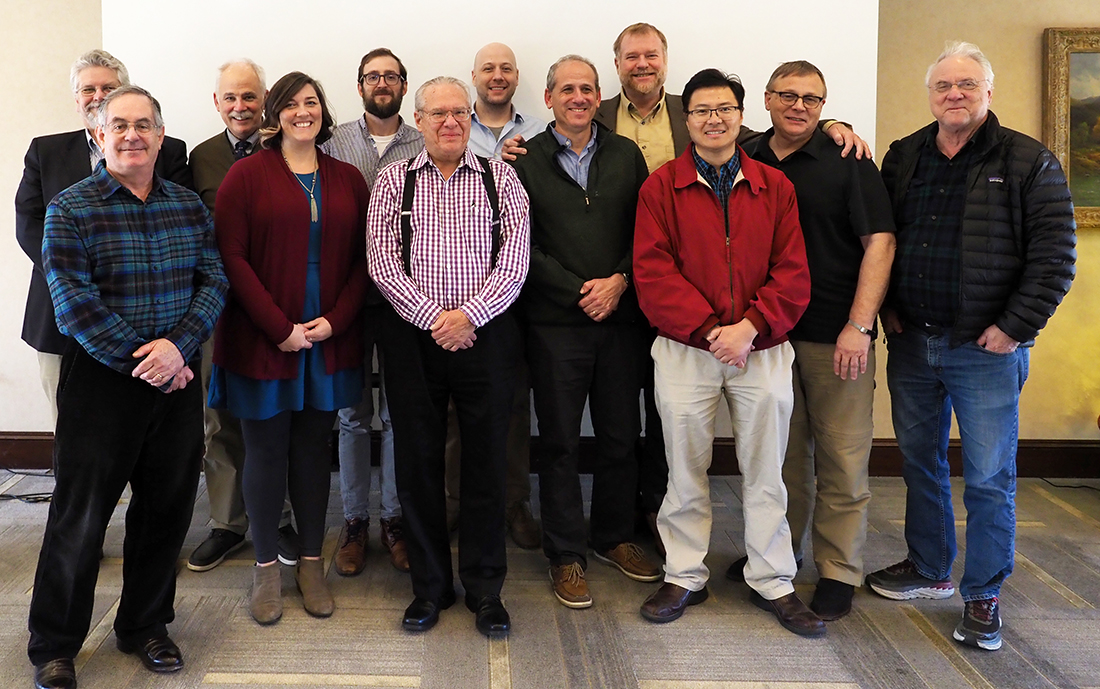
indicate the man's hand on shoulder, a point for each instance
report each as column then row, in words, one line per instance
column 513, row 147
column 844, row 136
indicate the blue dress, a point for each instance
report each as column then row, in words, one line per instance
column 249, row 398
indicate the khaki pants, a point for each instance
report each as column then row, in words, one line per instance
column 832, row 424
column 689, row 384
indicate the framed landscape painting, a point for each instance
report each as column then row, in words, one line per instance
column 1071, row 114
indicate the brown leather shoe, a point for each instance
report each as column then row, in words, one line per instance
column 522, row 527
column 351, row 558
column 631, row 561
column 570, row 586
column 668, row 602
column 394, row 541
column 792, row 613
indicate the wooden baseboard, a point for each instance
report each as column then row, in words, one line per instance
column 1035, row 457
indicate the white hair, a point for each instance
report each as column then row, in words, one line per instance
column 97, row 58
column 128, row 90
column 418, row 100
column 241, row 62
column 962, row 49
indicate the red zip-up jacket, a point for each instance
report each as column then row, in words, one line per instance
column 694, row 268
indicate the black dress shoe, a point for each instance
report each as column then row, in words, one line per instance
column 492, row 619
column 669, row 602
column 792, row 613
column 832, row 599
column 422, row 614
column 158, row 654
column 55, row 674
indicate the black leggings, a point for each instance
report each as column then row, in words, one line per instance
column 294, row 445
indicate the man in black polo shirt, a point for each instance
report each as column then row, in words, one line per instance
column 846, row 220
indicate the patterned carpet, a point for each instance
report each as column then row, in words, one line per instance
column 1052, row 626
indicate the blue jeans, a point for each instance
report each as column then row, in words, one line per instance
column 927, row 380
column 354, row 447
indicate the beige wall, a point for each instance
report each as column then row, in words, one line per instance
column 1062, row 396
column 39, row 40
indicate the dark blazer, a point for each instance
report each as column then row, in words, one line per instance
column 54, row 163
column 210, row 161
column 608, row 115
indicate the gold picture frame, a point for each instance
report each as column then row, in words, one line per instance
column 1067, row 120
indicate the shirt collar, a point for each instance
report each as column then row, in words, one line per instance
column 630, row 109
column 469, row 159
column 92, row 143
column 108, row 185
column 252, row 140
column 516, row 117
column 398, row 135
column 565, row 142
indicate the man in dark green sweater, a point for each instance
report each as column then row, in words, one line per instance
column 585, row 332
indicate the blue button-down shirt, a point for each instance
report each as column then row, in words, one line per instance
column 123, row 272
column 484, row 143
column 576, row 166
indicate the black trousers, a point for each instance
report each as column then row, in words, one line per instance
column 420, row 379
column 568, row 365
column 652, row 464
column 113, row 429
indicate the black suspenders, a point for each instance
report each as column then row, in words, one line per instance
column 406, row 213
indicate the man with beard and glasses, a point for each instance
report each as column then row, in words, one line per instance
column 54, row 163
column 371, row 142
column 239, row 96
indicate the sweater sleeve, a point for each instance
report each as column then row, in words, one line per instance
column 233, row 232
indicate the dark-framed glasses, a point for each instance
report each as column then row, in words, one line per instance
column 811, row 102
column 372, row 78
column 724, row 112
column 963, row 84
column 440, row 116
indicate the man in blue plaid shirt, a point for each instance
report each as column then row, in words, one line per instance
column 137, row 282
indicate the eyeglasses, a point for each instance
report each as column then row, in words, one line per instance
column 372, row 78
column 788, row 98
column 89, row 91
column 440, row 116
column 964, row 85
column 120, row 127
column 724, row 112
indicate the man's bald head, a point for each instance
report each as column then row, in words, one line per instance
column 495, row 75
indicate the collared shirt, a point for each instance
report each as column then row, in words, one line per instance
column 575, row 165
column 721, row 181
column 488, row 145
column 352, row 143
column 840, row 200
column 253, row 140
column 451, row 241
column 123, row 272
column 652, row 133
column 927, row 267
column 95, row 153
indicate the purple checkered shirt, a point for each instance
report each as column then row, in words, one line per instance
column 451, row 241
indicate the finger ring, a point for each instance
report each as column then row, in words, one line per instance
column 159, row 376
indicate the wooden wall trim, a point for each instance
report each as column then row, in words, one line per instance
column 1035, row 457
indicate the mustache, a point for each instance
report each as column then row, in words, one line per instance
column 241, row 116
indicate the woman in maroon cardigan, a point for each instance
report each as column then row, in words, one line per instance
column 288, row 350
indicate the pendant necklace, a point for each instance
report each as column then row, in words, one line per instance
column 309, row 190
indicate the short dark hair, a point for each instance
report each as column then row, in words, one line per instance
column 281, row 93
column 714, row 78
column 380, row 52
column 797, row 68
